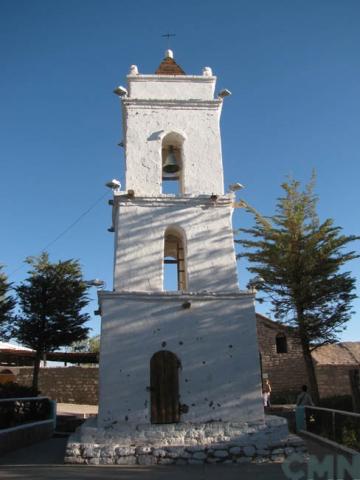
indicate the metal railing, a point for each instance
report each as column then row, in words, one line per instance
column 337, row 426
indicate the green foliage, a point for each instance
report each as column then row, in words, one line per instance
column 20, row 412
column 351, row 437
column 298, row 262
column 7, row 304
column 91, row 345
column 51, row 300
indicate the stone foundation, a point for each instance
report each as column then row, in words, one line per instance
column 183, row 443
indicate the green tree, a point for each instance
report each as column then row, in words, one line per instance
column 94, row 344
column 7, row 304
column 298, row 265
column 51, row 300
column 91, row 345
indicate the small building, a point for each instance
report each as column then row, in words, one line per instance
column 282, row 360
column 333, row 364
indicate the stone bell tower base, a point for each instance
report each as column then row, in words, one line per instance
column 183, row 443
column 219, row 383
column 213, row 337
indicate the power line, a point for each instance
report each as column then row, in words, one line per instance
column 64, row 232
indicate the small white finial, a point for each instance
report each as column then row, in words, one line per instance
column 134, row 70
column 169, row 53
column 207, row 72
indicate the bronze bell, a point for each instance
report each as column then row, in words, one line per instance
column 171, row 164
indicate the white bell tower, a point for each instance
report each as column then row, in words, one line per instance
column 190, row 354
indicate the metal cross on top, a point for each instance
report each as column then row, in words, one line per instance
column 168, row 35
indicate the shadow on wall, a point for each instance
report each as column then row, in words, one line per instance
column 209, row 252
column 214, row 340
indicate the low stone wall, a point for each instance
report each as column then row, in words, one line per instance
column 80, row 385
column 215, row 442
column 23, row 435
column 65, row 384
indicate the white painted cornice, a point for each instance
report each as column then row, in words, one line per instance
column 172, row 200
column 173, row 296
column 195, row 104
column 172, row 78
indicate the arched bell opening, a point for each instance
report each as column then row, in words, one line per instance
column 172, row 163
column 174, row 271
column 164, row 387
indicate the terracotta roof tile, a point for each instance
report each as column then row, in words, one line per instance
column 169, row 67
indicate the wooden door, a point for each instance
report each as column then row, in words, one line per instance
column 164, row 387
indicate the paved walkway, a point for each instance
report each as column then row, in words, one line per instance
column 43, row 461
column 76, row 409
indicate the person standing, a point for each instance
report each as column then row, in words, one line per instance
column 304, row 398
column 267, row 393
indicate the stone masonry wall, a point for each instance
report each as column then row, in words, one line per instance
column 65, row 385
column 213, row 442
column 333, row 379
column 286, row 371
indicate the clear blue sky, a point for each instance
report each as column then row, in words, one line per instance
column 293, row 67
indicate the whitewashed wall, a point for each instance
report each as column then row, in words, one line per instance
column 215, row 340
column 157, row 106
column 209, row 247
column 170, row 87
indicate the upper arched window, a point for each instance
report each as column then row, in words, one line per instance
column 281, row 343
column 172, row 163
column 174, row 260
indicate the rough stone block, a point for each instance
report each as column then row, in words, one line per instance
column 143, row 449
column 128, row 460
column 175, row 452
column 146, row 460
column 262, row 452
column 199, row 455
column 166, row 461
column 106, row 460
column 124, row 451
column 213, row 460
column 243, row 460
column 159, row 452
column 221, row 453
column 249, row 451
column 235, row 450
column 74, row 460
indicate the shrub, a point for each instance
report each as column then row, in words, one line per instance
column 14, row 390
column 19, row 412
column 338, row 402
column 283, row 398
